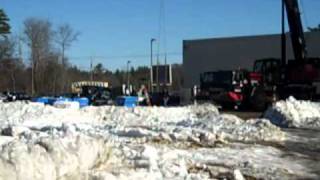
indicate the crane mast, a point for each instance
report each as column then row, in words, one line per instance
column 296, row 29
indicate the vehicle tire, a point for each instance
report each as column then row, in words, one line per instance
column 258, row 100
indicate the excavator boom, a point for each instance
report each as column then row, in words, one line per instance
column 296, row 29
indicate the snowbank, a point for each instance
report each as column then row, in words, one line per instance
column 50, row 158
column 67, row 104
column 192, row 142
column 295, row 113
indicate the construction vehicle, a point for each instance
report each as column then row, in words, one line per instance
column 226, row 89
column 279, row 79
column 97, row 92
column 271, row 79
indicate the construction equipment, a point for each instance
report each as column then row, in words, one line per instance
column 278, row 78
column 97, row 92
column 76, row 87
column 225, row 88
column 271, row 79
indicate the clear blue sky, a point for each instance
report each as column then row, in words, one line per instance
column 120, row 30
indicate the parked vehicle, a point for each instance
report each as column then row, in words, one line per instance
column 224, row 88
column 15, row 96
column 97, row 92
column 165, row 99
column 3, row 97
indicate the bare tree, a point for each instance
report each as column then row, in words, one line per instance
column 7, row 47
column 38, row 35
column 10, row 70
column 64, row 37
column 11, row 67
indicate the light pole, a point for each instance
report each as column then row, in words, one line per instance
column 151, row 63
column 128, row 74
column 91, row 68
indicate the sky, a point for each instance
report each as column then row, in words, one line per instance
column 113, row 32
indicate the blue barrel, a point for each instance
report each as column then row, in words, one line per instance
column 60, row 99
column 44, row 100
column 127, row 101
column 63, row 99
column 51, row 100
column 82, row 101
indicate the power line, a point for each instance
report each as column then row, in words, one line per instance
column 120, row 56
column 136, row 56
column 112, row 57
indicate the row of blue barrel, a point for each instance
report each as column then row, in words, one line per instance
column 83, row 101
column 127, row 101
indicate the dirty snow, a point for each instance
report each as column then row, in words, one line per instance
column 192, row 142
column 295, row 113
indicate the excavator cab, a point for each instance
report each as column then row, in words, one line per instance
column 270, row 71
column 265, row 82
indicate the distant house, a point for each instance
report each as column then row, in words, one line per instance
column 233, row 52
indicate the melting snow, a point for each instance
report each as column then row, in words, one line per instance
column 294, row 113
column 193, row 142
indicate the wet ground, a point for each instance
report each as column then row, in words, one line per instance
column 304, row 143
column 243, row 114
column 299, row 144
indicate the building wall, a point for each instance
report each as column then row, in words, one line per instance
column 231, row 53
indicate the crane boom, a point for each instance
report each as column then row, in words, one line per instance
column 296, row 29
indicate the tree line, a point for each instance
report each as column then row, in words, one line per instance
column 48, row 71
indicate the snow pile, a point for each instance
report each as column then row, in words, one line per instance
column 295, row 113
column 183, row 123
column 40, row 115
column 16, row 112
column 51, row 158
column 66, row 104
column 232, row 128
column 192, row 142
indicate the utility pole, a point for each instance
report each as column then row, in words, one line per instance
column 283, row 37
column 91, row 68
column 128, row 74
column 32, row 71
column 157, row 69
column 32, row 77
column 165, row 71
column 151, row 64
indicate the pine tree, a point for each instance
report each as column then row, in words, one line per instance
column 4, row 23
column 314, row 29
